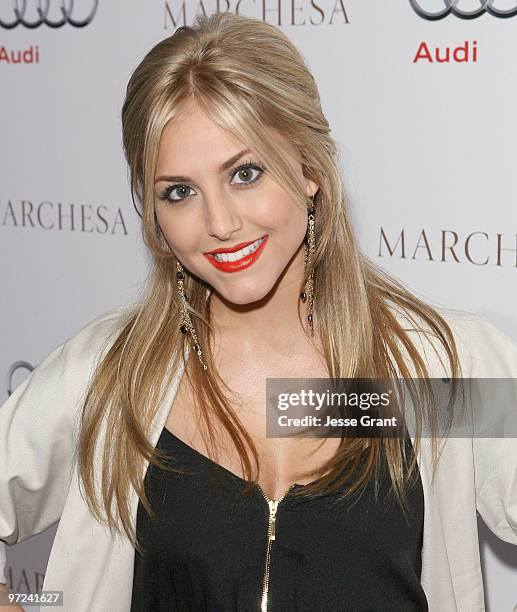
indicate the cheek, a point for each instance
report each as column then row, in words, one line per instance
column 177, row 229
column 279, row 212
column 276, row 209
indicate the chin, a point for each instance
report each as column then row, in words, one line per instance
column 242, row 295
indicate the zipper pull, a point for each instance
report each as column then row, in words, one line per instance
column 272, row 513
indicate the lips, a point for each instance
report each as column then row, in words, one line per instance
column 239, row 264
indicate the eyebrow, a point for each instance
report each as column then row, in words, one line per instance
column 186, row 179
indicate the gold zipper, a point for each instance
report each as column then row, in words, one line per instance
column 273, row 506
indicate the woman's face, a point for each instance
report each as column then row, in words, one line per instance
column 211, row 194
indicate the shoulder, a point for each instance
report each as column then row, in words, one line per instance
column 99, row 333
column 66, row 369
column 482, row 346
column 484, row 350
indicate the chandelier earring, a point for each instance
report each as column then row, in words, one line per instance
column 309, row 246
column 186, row 322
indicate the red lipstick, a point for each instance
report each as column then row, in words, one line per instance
column 239, row 264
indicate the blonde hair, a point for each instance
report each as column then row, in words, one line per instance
column 250, row 79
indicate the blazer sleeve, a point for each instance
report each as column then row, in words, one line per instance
column 494, row 355
column 38, row 432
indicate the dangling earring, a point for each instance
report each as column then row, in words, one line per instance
column 186, row 322
column 308, row 253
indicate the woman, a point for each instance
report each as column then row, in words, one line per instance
column 229, row 151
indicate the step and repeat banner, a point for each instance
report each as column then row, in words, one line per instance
column 421, row 96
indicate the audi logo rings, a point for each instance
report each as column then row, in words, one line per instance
column 43, row 7
column 452, row 7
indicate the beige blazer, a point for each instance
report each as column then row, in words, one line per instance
column 38, row 479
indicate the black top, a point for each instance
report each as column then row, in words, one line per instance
column 208, row 550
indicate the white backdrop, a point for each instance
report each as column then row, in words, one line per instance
column 427, row 148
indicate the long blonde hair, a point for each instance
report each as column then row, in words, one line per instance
column 248, row 77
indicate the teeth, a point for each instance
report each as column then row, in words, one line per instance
column 239, row 254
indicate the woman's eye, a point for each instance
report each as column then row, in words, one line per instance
column 181, row 190
column 245, row 173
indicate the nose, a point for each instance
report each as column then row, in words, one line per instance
column 222, row 218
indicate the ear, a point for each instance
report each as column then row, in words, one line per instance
column 311, row 188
